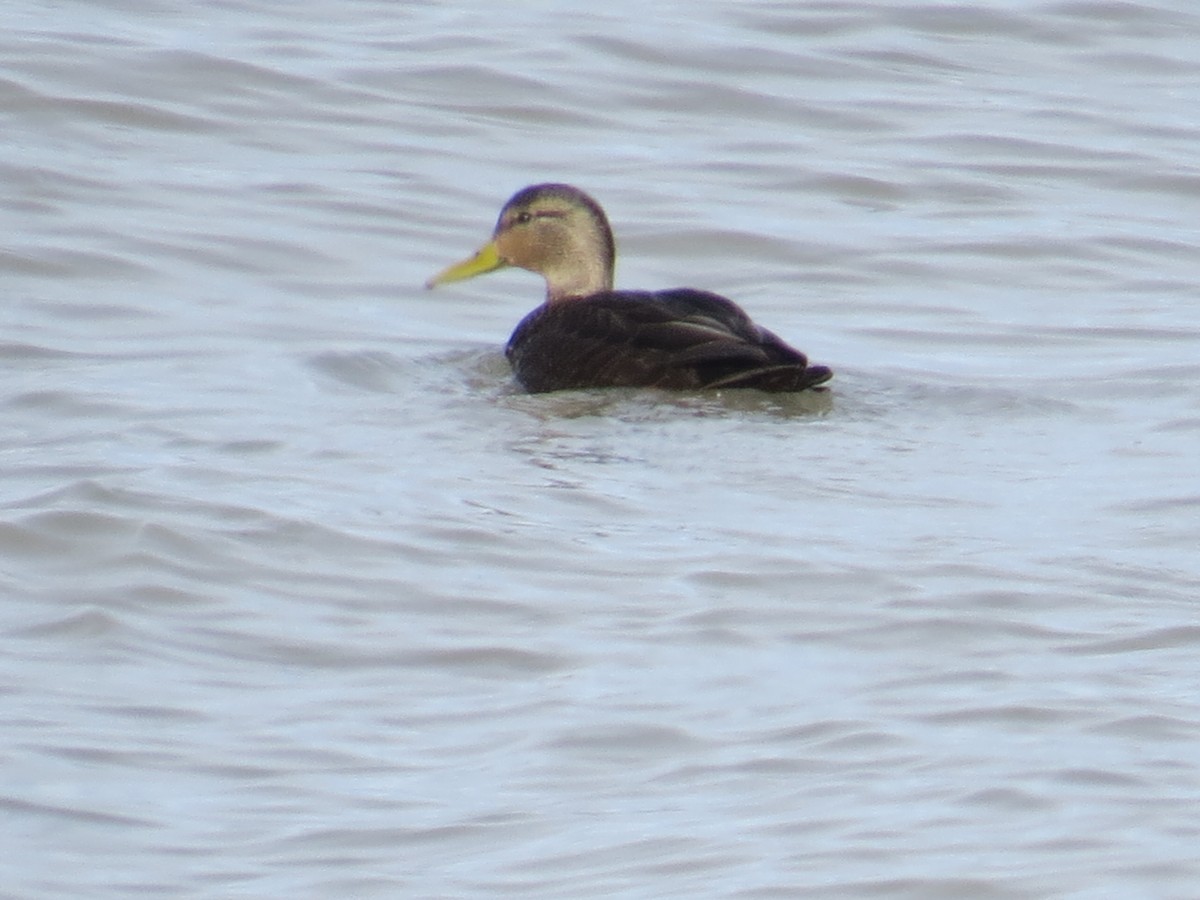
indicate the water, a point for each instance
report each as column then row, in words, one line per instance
column 303, row 598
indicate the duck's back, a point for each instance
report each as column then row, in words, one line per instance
column 677, row 339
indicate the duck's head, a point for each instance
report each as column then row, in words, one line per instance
column 555, row 230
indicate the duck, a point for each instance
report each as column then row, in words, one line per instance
column 588, row 335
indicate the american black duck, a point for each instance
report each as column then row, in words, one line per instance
column 588, row 335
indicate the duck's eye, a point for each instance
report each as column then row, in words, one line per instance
column 524, row 217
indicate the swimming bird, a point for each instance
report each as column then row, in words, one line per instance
column 588, row 335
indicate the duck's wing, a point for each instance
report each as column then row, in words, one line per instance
column 681, row 338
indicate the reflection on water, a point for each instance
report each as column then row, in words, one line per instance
column 305, row 597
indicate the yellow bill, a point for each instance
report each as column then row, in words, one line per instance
column 486, row 260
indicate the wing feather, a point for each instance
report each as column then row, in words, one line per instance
column 673, row 339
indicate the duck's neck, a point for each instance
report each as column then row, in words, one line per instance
column 581, row 279
column 580, row 263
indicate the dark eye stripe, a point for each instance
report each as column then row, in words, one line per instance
column 524, row 217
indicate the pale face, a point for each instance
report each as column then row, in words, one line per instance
column 556, row 231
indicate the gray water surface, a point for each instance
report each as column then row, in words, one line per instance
column 304, row 599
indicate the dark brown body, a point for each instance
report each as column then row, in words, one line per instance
column 678, row 339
